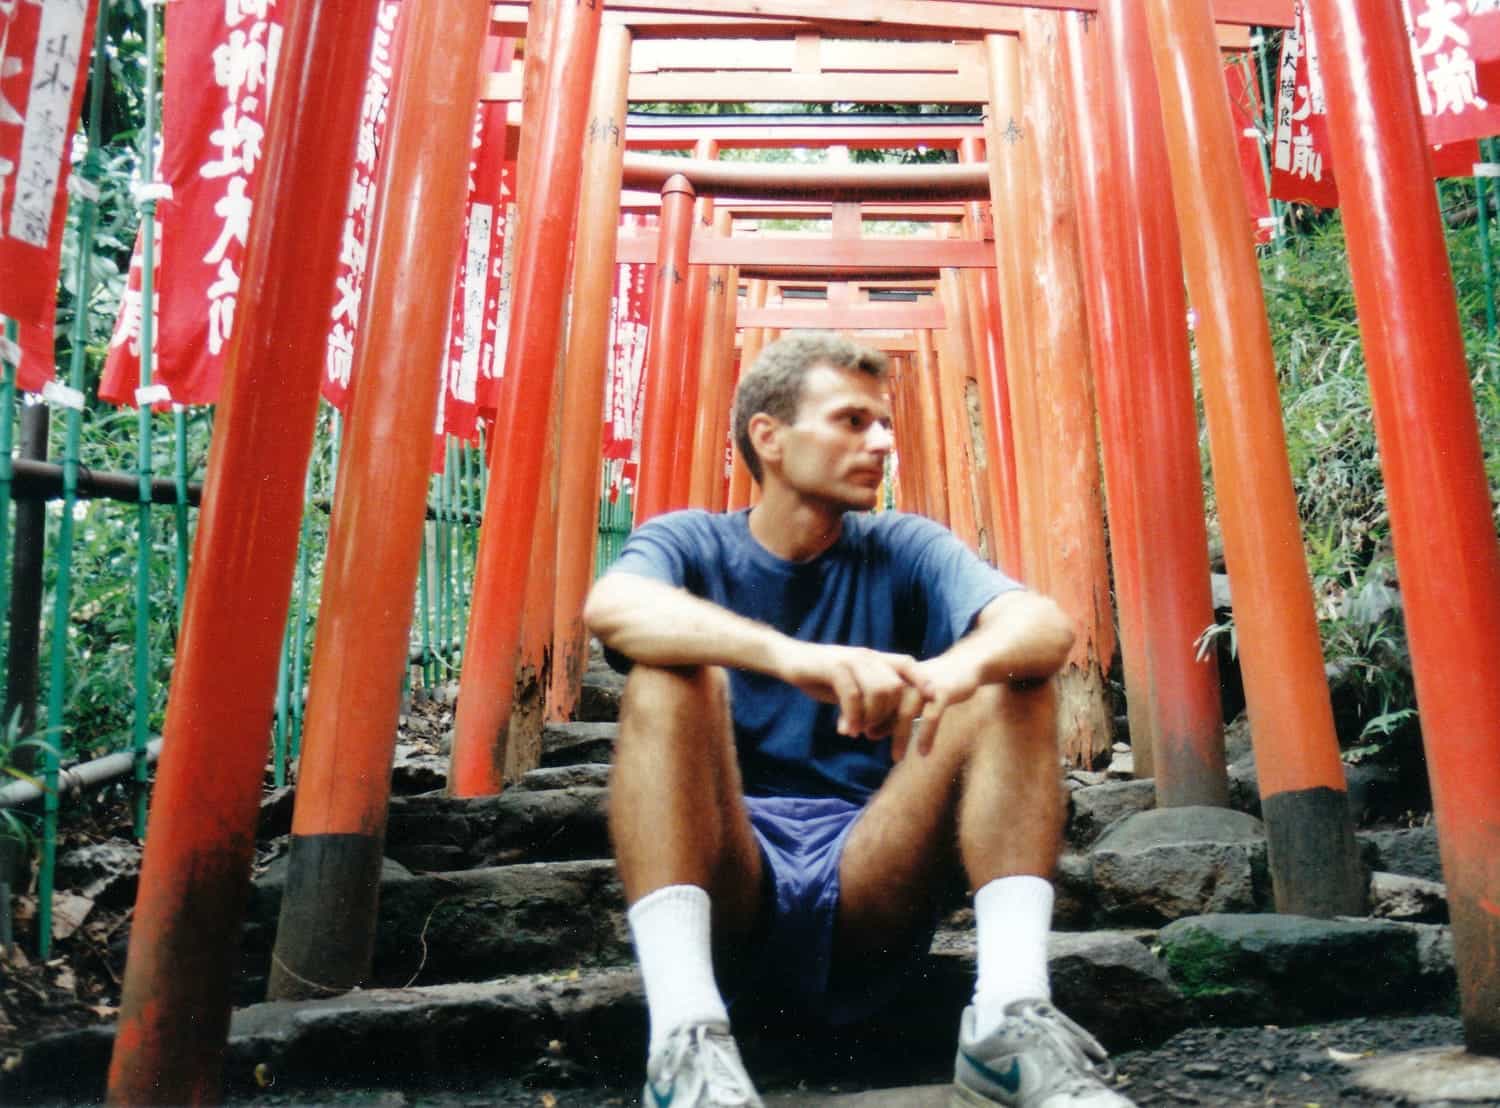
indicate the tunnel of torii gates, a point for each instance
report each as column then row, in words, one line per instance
column 1085, row 266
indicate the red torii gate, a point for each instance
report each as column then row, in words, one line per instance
column 175, row 1009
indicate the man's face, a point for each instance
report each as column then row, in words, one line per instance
column 835, row 448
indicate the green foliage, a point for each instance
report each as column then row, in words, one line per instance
column 1336, row 472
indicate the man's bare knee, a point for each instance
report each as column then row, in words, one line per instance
column 670, row 690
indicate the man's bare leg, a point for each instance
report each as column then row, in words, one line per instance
column 992, row 777
column 686, row 854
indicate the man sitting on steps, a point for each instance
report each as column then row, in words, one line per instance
column 770, row 818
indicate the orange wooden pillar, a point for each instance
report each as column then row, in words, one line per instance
column 1111, row 331
column 1433, row 465
column 994, row 392
column 666, row 354
column 326, row 934
column 695, row 337
column 519, row 746
column 486, row 690
column 519, row 740
column 185, row 934
column 719, row 485
column 904, row 425
column 1188, row 725
column 753, row 340
column 715, row 384
column 1315, row 866
column 585, row 367
column 1078, row 569
column 953, row 370
column 982, row 293
column 926, row 391
column 1011, row 161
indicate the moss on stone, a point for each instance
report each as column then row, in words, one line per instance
column 1202, row 964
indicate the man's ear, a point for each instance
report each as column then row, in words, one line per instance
column 765, row 436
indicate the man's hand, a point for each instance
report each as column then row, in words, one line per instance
column 876, row 692
column 1019, row 639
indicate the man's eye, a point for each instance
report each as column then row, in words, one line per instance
column 858, row 422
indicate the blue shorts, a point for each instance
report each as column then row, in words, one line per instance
column 792, row 958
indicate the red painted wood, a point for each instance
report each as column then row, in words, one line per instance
column 584, row 373
column 1430, row 453
column 174, row 1012
column 486, row 691
column 665, row 354
column 792, row 252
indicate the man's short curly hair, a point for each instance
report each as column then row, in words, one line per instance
column 773, row 384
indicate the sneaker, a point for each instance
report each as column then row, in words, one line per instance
column 699, row 1067
column 1036, row 1058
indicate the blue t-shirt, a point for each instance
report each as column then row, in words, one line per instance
column 891, row 582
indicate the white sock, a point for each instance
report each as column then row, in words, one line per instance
column 672, row 941
column 1012, row 916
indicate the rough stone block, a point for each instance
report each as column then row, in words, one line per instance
column 1095, row 807
column 1283, row 969
column 1168, row 863
column 1412, row 851
column 599, row 696
column 567, row 744
column 1412, row 899
column 106, row 873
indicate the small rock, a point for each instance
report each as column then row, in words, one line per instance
column 276, row 813
column 1412, row 851
column 68, row 914
column 1095, row 808
column 1413, row 899
column 1203, row 1069
column 106, row 872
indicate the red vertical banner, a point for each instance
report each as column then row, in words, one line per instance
column 220, row 61
column 122, row 364
column 1245, row 108
column 1455, row 47
column 44, row 54
column 1449, row 40
column 1301, row 168
column 474, row 330
column 630, row 314
column 349, row 284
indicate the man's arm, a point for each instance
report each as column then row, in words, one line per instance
column 1019, row 638
column 658, row 624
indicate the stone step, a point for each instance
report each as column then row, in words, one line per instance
column 566, row 744
column 587, row 1026
column 555, row 814
column 487, row 921
column 472, row 925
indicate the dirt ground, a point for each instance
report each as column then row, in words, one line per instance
column 1247, row 1067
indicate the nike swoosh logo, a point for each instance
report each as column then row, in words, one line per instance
column 1009, row 1080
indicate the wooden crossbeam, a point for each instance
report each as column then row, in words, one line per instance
column 844, row 317
column 792, row 253
column 683, row 132
column 884, row 19
column 807, row 69
column 957, row 15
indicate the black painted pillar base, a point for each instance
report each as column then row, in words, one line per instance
column 1315, row 865
column 325, row 938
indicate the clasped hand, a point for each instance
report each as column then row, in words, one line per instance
column 879, row 695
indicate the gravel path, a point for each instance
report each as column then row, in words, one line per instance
column 1297, row 1067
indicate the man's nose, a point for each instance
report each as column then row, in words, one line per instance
column 880, row 439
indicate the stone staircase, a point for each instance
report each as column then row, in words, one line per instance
column 502, row 949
